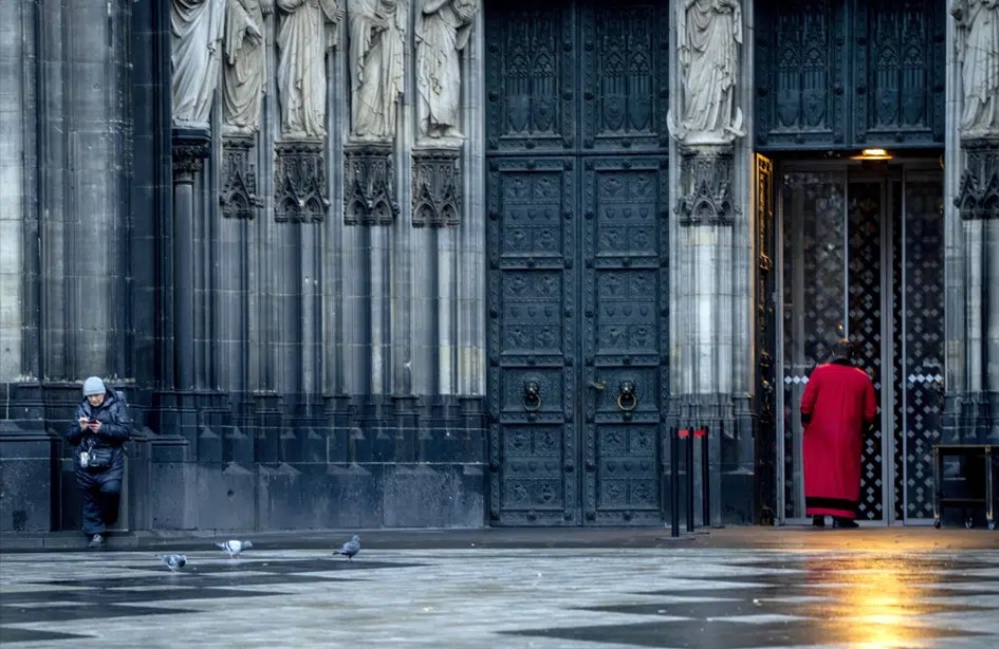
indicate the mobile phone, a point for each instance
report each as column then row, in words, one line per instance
column 92, row 421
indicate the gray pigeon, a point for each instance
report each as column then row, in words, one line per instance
column 173, row 561
column 235, row 548
column 350, row 548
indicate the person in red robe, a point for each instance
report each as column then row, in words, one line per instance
column 838, row 405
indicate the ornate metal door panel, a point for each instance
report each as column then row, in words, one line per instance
column 531, row 67
column 577, row 249
column 863, row 257
column 850, row 73
column 625, row 81
column 899, row 71
column 625, row 334
column 767, row 383
column 532, row 293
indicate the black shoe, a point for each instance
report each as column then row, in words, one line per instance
column 818, row 521
column 845, row 523
column 96, row 542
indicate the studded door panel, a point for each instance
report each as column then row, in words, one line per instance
column 625, row 333
column 576, row 102
column 532, row 298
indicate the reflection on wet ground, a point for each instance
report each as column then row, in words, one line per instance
column 718, row 598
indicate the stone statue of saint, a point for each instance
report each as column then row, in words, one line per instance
column 377, row 42
column 245, row 66
column 978, row 55
column 195, row 57
column 308, row 28
column 442, row 29
column 709, row 33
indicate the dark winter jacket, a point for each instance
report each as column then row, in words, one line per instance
column 116, row 428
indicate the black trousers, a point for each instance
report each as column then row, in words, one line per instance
column 101, row 496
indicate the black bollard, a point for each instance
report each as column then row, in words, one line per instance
column 705, row 479
column 690, row 479
column 674, row 481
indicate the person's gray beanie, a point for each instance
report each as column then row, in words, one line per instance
column 93, row 385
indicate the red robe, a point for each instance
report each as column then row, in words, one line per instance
column 840, row 401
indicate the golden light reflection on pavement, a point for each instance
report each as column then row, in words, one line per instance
column 883, row 599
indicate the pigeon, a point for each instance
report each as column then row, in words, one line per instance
column 350, row 548
column 173, row 561
column 235, row 548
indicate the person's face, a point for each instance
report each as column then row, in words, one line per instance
column 95, row 400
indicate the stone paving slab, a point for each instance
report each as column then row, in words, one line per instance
column 509, row 598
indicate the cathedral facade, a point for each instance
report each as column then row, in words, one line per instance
column 462, row 263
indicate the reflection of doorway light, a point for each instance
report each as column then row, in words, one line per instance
column 881, row 600
column 873, row 154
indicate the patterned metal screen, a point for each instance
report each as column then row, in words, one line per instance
column 862, row 255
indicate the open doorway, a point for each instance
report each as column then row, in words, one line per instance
column 860, row 251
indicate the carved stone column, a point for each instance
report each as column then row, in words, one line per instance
column 972, row 307
column 977, row 201
column 190, row 148
column 710, row 268
column 300, row 182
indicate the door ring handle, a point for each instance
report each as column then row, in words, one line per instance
column 532, row 396
column 626, row 398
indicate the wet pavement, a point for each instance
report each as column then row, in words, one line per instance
column 511, row 589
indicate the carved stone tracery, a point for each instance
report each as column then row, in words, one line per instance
column 436, row 188
column 369, row 185
column 706, row 187
column 978, row 193
column 238, row 197
column 300, row 182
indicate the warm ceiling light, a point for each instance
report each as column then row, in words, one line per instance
column 873, row 154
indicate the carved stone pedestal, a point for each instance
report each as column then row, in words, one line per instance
column 706, row 186
column 238, row 197
column 369, row 185
column 978, row 194
column 436, row 187
column 300, row 182
column 190, row 147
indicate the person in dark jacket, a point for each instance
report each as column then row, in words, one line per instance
column 99, row 433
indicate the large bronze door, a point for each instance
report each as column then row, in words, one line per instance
column 861, row 255
column 578, row 260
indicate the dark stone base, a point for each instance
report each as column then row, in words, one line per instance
column 730, row 425
column 256, row 462
column 28, row 479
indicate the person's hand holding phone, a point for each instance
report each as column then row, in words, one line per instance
column 84, row 423
column 94, row 425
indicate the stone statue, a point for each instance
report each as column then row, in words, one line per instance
column 978, row 56
column 377, row 42
column 442, row 29
column 195, row 57
column 245, row 66
column 308, row 29
column 709, row 34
